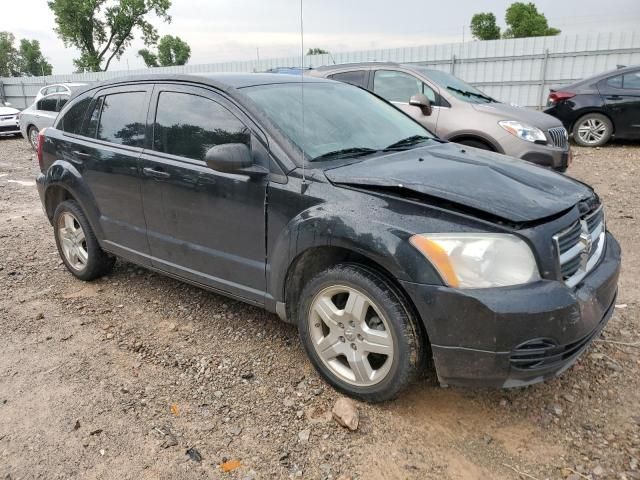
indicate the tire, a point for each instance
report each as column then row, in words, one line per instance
column 592, row 130
column 32, row 136
column 77, row 244
column 476, row 144
column 381, row 321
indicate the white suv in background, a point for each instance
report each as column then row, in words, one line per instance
column 9, row 121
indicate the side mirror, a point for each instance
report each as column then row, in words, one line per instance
column 422, row 102
column 229, row 158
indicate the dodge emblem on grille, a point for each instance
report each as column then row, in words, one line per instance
column 587, row 246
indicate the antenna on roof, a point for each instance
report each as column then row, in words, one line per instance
column 304, row 178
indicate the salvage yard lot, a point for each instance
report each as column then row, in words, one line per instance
column 118, row 378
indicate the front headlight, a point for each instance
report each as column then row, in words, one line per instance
column 523, row 131
column 478, row 260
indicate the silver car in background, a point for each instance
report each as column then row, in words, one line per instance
column 41, row 115
column 67, row 88
column 459, row 112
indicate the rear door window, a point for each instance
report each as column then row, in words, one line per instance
column 122, row 118
column 631, row 81
column 615, row 82
column 48, row 104
column 355, row 77
column 189, row 125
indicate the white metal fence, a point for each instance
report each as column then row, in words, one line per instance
column 519, row 71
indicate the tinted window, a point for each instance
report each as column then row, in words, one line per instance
column 632, row 80
column 62, row 102
column 48, row 104
column 71, row 122
column 357, row 77
column 92, row 123
column 615, row 82
column 396, row 86
column 189, row 125
column 122, row 119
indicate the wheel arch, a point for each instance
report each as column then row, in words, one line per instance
column 493, row 146
column 314, row 260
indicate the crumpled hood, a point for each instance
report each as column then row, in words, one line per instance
column 503, row 111
column 501, row 186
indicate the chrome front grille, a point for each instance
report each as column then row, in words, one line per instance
column 580, row 246
column 559, row 137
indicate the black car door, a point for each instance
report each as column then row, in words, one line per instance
column 203, row 225
column 107, row 154
column 622, row 98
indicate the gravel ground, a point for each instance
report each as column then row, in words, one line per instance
column 119, row 378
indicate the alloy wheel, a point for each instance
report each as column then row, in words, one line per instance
column 592, row 130
column 350, row 335
column 73, row 241
column 33, row 137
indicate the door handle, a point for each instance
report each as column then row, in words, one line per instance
column 152, row 172
column 614, row 97
column 80, row 154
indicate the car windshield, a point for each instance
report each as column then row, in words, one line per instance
column 340, row 120
column 458, row 88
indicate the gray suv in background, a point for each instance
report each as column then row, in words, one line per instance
column 459, row 112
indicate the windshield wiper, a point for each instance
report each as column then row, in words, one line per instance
column 407, row 142
column 467, row 94
column 345, row 152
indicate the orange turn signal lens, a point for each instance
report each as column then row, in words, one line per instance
column 438, row 257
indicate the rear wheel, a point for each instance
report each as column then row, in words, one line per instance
column 592, row 130
column 358, row 333
column 77, row 244
column 32, row 133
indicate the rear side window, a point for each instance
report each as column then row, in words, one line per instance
column 356, row 77
column 71, row 122
column 188, row 125
column 48, row 104
column 122, row 119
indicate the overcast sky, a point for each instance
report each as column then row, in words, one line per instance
column 226, row 30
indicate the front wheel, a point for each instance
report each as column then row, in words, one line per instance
column 358, row 333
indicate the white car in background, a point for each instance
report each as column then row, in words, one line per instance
column 58, row 88
column 9, row 122
column 40, row 115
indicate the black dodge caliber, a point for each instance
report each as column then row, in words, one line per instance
column 328, row 206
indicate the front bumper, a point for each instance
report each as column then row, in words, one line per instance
column 515, row 336
column 9, row 127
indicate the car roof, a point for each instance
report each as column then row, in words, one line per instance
column 336, row 66
column 222, row 81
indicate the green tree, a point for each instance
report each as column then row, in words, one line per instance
column 171, row 51
column 150, row 58
column 484, row 27
column 9, row 65
column 32, row 62
column 103, row 31
column 524, row 20
column 317, row 51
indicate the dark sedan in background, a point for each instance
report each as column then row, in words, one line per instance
column 599, row 108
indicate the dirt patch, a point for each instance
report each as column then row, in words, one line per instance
column 119, row 378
